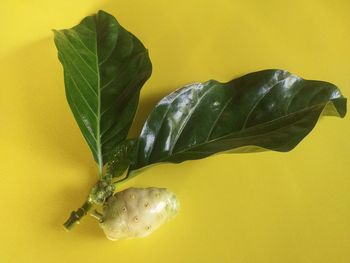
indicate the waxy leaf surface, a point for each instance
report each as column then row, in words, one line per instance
column 269, row 109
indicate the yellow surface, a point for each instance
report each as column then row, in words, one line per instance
column 265, row 207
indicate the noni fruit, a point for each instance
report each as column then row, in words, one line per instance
column 137, row 212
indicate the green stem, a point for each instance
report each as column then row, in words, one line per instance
column 123, row 180
column 100, row 168
column 77, row 215
column 103, row 189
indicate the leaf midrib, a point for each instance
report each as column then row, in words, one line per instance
column 98, row 135
column 243, row 131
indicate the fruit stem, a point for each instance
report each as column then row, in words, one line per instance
column 97, row 215
column 75, row 216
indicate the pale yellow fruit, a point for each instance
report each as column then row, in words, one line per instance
column 137, row 212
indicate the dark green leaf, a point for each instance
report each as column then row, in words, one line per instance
column 121, row 159
column 270, row 109
column 105, row 67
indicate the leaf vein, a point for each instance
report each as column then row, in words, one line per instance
column 83, row 97
column 187, row 118
column 219, row 116
column 76, row 52
column 257, row 103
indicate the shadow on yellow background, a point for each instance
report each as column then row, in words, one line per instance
column 45, row 130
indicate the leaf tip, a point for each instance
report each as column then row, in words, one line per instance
column 103, row 13
column 55, row 32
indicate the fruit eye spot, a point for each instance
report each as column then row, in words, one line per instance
column 136, row 219
column 124, row 209
column 148, row 227
column 146, row 205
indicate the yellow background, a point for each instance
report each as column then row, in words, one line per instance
column 264, row 207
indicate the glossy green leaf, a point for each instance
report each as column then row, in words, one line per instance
column 105, row 67
column 270, row 109
column 122, row 157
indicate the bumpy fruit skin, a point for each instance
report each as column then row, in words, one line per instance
column 137, row 212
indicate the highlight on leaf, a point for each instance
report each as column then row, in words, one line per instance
column 265, row 110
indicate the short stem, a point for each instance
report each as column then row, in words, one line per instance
column 77, row 215
column 97, row 215
column 123, row 180
column 100, row 169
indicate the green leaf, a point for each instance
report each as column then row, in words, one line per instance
column 269, row 109
column 122, row 157
column 105, row 67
